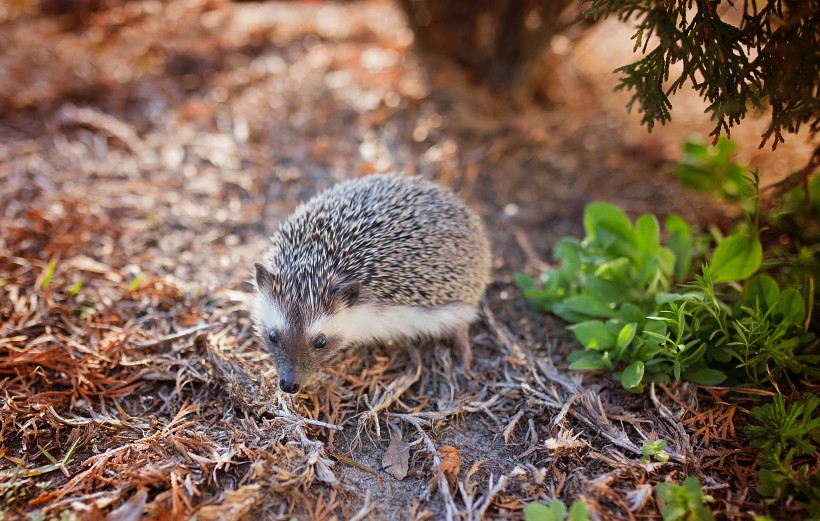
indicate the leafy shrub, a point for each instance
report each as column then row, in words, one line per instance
column 617, row 288
column 608, row 286
column 711, row 169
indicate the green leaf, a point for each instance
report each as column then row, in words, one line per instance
column 49, row 274
column 578, row 511
column 76, row 287
column 538, row 295
column 615, row 270
column 692, row 485
column 656, row 325
column 632, row 375
column 538, row 512
column 705, row 376
column 609, row 226
column 738, row 257
column 593, row 334
column 650, row 274
column 568, row 250
column 626, row 335
column 792, row 308
column 587, row 361
column 589, row 305
column 565, row 313
column 680, row 242
column 769, row 485
column 523, row 280
column 761, row 289
column 666, row 262
column 629, row 312
column 654, row 449
column 559, row 509
column 647, row 231
column 136, row 282
column 606, row 291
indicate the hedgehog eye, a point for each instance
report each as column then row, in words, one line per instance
column 320, row 342
column 273, row 336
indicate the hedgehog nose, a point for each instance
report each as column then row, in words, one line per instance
column 288, row 385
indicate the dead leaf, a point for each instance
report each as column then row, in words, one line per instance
column 132, row 509
column 236, row 503
column 396, row 458
column 450, row 463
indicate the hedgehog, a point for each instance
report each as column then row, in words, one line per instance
column 375, row 259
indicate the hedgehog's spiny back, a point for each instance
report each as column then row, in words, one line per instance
column 406, row 240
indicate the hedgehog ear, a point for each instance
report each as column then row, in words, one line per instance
column 264, row 278
column 347, row 294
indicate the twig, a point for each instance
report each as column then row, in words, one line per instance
column 476, row 406
column 797, row 178
column 316, row 449
column 449, row 506
column 391, row 394
column 503, row 335
column 179, row 334
column 526, row 246
column 495, row 489
column 70, row 114
column 360, row 466
column 511, row 425
column 287, row 414
column 674, row 423
column 78, row 421
column 364, row 512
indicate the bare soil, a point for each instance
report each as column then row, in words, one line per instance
column 146, row 152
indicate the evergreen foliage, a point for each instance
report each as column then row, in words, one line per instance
column 736, row 54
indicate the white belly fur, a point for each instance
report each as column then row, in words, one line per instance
column 368, row 322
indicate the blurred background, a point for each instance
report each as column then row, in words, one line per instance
column 210, row 119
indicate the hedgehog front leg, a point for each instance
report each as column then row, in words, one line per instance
column 461, row 339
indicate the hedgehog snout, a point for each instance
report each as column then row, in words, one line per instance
column 287, row 382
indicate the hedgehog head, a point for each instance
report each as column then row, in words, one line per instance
column 289, row 322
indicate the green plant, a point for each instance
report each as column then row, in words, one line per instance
column 137, row 282
column 48, row 274
column 609, row 285
column 683, row 502
column 711, row 169
column 556, row 511
column 770, row 337
column 654, row 449
column 617, row 287
column 76, row 287
column 786, row 432
column 14, row 480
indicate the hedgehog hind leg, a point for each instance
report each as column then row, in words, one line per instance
column 461, row 339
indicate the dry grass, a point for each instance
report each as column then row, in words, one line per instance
column 140, row 169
